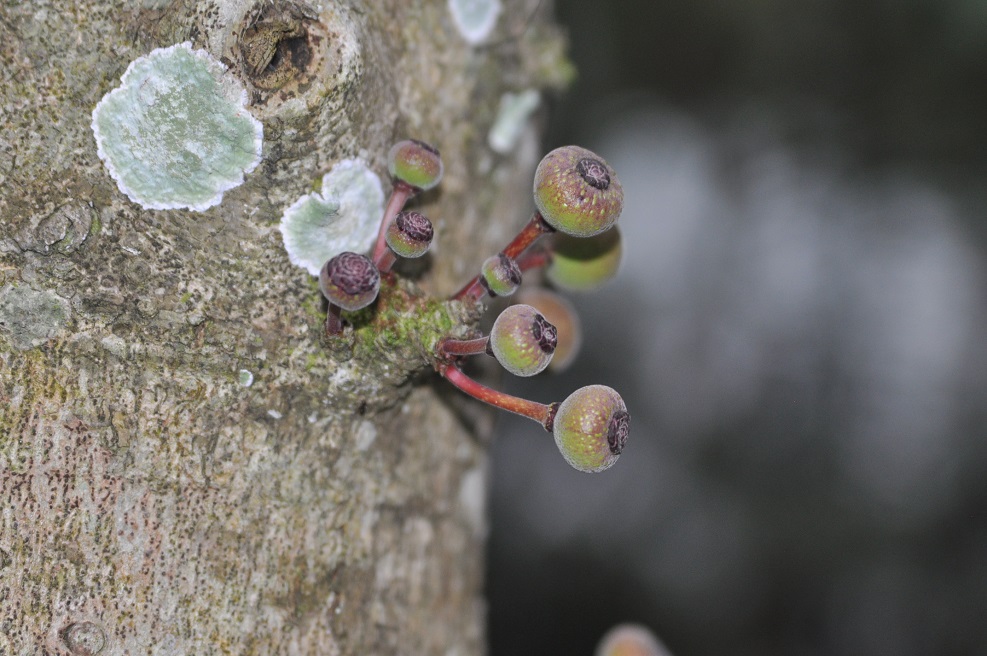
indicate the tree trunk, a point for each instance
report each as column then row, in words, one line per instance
column 185, row 467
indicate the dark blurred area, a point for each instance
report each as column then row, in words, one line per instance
column 797, row 331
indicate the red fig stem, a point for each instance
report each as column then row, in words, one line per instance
column 535, row 228
column 334, row 321
column 473, row 289
column 531, row 409
column 451, row 346
column 399, row 196
column 386, row 260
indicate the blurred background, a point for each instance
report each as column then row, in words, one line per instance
column 797, row 330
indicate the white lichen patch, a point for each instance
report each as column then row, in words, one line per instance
column 115, row 345
column 512, row 117
column 475, row 19
column 343, row 217
column 366, row 433
column 245, row 377
column 176, row 132
column 472, row 500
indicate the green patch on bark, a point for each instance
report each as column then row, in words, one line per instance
column 407, row 323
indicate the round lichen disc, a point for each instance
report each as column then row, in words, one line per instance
column 176, row 133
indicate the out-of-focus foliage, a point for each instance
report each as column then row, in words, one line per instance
column 798, row 326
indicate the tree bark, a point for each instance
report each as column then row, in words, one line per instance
column 154, row 499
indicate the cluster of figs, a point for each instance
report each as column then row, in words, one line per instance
column 578, row 199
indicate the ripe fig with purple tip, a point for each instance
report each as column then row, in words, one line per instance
column 410, row 234
column 350, row 282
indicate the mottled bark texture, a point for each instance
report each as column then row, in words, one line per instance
column 152, row 501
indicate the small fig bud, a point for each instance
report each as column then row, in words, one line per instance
column 522, row 340
column 580, row 264
column 350, row 280
column 591, row 428
column 560, row 313
column 415, row 163
column 500, row 275
column 410, row 234
column 577, row 192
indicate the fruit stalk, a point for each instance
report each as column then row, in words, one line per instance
column 399, row 196
column 461, row 347
column 533, row 229
column 533, row 410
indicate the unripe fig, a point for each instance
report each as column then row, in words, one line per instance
column 410, row 234
column 415, row 163
column 522, row 340
column 560, row 313
column 500, row 275
column 581, row 264
column 630, row 640
column 577, row 192
column 591, row 428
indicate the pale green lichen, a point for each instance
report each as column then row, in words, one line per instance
column 245, row 377
column 344, row 216
column 176, row 132
column 29, row 318
column 512, row 117
column 475, row 19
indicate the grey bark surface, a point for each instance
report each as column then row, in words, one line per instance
column 154, row 503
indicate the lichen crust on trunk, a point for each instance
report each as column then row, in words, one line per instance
column 187, row 466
